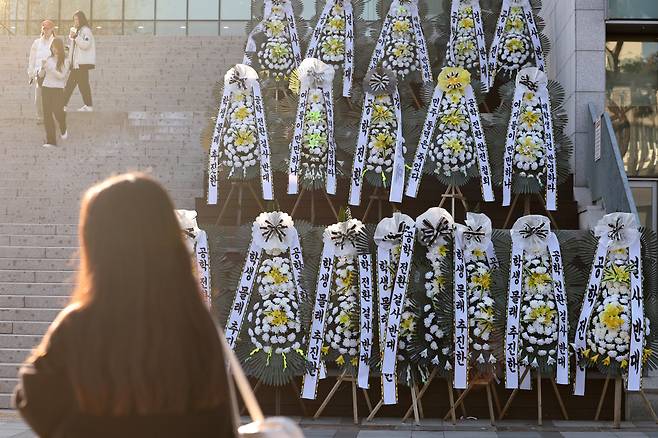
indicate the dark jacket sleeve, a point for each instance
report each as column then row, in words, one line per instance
column 44, row 396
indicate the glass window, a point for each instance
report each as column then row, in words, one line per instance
column 69, row 8
column 107, row 9
column 138, row 28
column 631, row 91
column 370, row 11
column 236, row 10
column 308, row 12
column 233, row 28
column 107, row 27
column 203, row 28
column 644, row 194
column 170, row 28
column 633, row 9
column 139, row 9
column 40, row 10
column 203, row 9
column 170, row 9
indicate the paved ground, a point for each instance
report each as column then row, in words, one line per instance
column 12, row 427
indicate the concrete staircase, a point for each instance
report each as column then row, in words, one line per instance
column 151, row 97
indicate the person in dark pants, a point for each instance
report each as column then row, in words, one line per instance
column 82, row 55
column 54, row 71
column 135, row 354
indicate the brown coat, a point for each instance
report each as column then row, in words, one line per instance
column 45, row 398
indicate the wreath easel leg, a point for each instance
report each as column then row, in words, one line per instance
column 492, row 416
column 376, row 409
column 539, row 408
column 226, row 202
column 559, row 399
column 459, row 402
column 647, row 403
column 414, row 404
column 329, row 396
column 616, row 422
column 421, row 393
column 513, row 394
column 297, row 201
column 495, row 396
column 296, row 393
column 603, row 393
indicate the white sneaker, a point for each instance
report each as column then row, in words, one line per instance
column 48, row 145
column 86, row 109
column 65, row 135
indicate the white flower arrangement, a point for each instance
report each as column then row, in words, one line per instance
column 315, row 138
column 529, row 145
column 332, row 40
column 452, row 150
column 539, row 318
column 275, row 55
column 465, row 47
column 609, row 337
column 241, row 138
column 274, row 275
column 515, row 49
column 435, row 338
column 342, row 333
column 400, row 51
column 408, row 329
column 274, row 325
column 382, row 137
column 480, row 306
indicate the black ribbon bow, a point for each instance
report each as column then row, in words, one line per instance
column 396, row 235
column 528, row 83
column 270, row 230
column 189, row 232
column 379, row 82
column 429, row 233
column 340, row 238
column 237, row 79
column 317, row 78
column 528, row 231
column 476, row 235
column 616, row 230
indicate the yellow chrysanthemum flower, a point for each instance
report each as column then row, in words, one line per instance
column 407, row 324
column 334, row 46
column 466, row 23
column 536, row 280
column 277, row 317
column 442, row 250
column 381, row 114
column 242, row 113
column 606, row 361
column 514, row 23
column 336, row 23
column 277, row 277
column 275, row 27
column 401, row 50
column 478, row 253
column 542, row 314
column 344, row 319
column 483, row 280
column 624, row 363
column 454, row 79
column 453, row 118
column 455, row 145
column 464, row 46
column 354, row 361
column 440, row 280
column 619, row 274
column 401, row 26
column 279, row 51
column 530, row 117
column 610, row 316
column 325, row 349
column 514, row 45
column 527, row 147
column 383, row 140
column 528, row 96
column 340, row 360
column 244, row 137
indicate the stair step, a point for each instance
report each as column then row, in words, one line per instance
column 29, row 252
column 10, row 370
column 23, row 276
column 28, row 315
column 33, row 301
column 14, row 355
column 39, row 289
column 40, row 264
column 18, row 341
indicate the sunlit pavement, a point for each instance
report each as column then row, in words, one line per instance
column 12, row 426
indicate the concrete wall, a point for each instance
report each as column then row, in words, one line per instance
column 577, row 60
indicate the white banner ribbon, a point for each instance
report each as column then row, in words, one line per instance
column 480, row 145
column 313, row 50
column 477, row 30
column 291, row 28
column 500, row 31
column 532, row 80
column 461, row 302
column 614, row 231
column 270, row 231
column 314, row 75
column 397, row 177
column 240, row 78
column 365, row 319
column 560, row 295
column 359, row 166
column 202, row 253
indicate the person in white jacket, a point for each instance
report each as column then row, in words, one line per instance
column 82, row 58
column 54, row 71
column 39, row 51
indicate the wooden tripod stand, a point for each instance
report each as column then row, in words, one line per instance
column 616, row 422
column 539, row 397
column 349, row 379
column 240, row 185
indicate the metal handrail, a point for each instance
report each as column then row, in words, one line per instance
column 606, row 175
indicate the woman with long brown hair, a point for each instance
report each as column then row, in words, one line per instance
column 54, row 72
column 135, row 353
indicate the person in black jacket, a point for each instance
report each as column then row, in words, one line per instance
column 135, row 353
